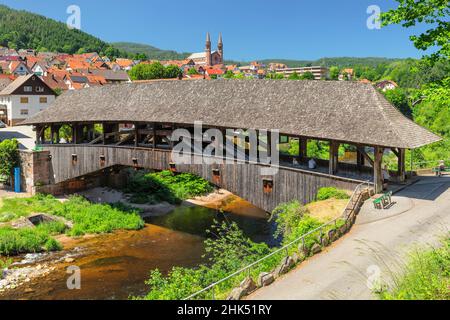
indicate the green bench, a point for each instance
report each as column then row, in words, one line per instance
column 383, row 201
column 438, row 171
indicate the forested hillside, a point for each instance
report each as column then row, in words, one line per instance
column 151, row 52
column 21, row 29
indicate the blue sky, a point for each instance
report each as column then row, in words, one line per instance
column 252, row 29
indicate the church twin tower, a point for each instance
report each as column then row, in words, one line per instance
column 213, row 57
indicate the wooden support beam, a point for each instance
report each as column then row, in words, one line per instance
column 360, row 159
column 334, row 157
column 303, row 148
column 377, row 169
column 401, row 165
column 136, row 135
column 365, row 155
column 396, row 152
column 154, row 135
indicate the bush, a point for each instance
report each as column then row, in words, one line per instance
column 13, row 241
column 86, row 217
column 166, row 186
column 9, row 156
column 426, row 276
column 331, row 193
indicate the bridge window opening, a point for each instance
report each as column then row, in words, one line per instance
column 102, row 160
column 135, row 161
column 268, row 185
column 216, row 176
column 173, row 167
column 74, row 159
column 65, row 134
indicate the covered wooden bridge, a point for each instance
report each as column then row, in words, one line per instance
column 131, row 125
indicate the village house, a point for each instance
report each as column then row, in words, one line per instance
column 25, row 97
column 386, row 85
column 346, row 74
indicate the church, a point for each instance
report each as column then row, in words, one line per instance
column 209, row 58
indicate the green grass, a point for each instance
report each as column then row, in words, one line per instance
column 331, row 193
column 87, row 218
column 426, row 276
column 166, row 186
column 16, row 241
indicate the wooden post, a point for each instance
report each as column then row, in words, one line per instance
column 401, row 165
column 377, row 169
column 359, row 159
column 334, row 157
column 154, row 135
column 136, row 135
column 303, row 148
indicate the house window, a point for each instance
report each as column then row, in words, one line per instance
column 23, row 112
column 23, row 100
column 39, row 89
column 43, row 100
column 27, row 89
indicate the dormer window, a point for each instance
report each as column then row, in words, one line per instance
column 28, row 89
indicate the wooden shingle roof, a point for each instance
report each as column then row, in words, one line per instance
column 331, row 110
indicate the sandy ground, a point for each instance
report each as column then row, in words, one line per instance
column 327, row 210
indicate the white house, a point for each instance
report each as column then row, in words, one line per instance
column 25, row 97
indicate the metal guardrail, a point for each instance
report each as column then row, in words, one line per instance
column 285, row 248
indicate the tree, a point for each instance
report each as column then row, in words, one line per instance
column 294, row 76
column 434, row 13
column 192, row 71
column 228, row 75
column 172, row 71
column 334, row 73
column 307, row 76
column 399, row 98
column 9, row 156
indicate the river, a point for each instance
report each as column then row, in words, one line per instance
column 115, row 266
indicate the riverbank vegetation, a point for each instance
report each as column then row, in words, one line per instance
column 151, row 188
column 228, row 250
column 9, row 157
column 86, row 217
column 426, row 276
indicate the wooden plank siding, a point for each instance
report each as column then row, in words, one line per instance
column 241, row 178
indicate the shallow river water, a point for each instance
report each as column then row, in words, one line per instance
column 115, row 266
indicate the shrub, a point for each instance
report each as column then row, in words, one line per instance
column 426, row 276
column 9, row 156
column 331, row 193
column 166, row 186
column 14, row 241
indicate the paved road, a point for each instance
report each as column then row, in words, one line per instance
column 341, row 272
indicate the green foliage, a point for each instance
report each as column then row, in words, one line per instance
column 150, row 52
column 331, row 193
column 88, row 218
column 226, row 252
column 5, row 263
column 13, row 241
column 399, row 98
column 275, row 76
column 228, row 75
column 22, row 30
column 192, row 71
column 9, row 156
column 166, row 186
column 153, row 71
column 307, row 76
column 288, row 216
column 433, row 12
column 294, row 76
column 426, row 276
column 334, row 73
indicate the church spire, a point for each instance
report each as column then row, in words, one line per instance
column 220, row 48
column 208, row 49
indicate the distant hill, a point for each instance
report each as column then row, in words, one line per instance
column 23, row 30
column 151, row 52
column 340, row 62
